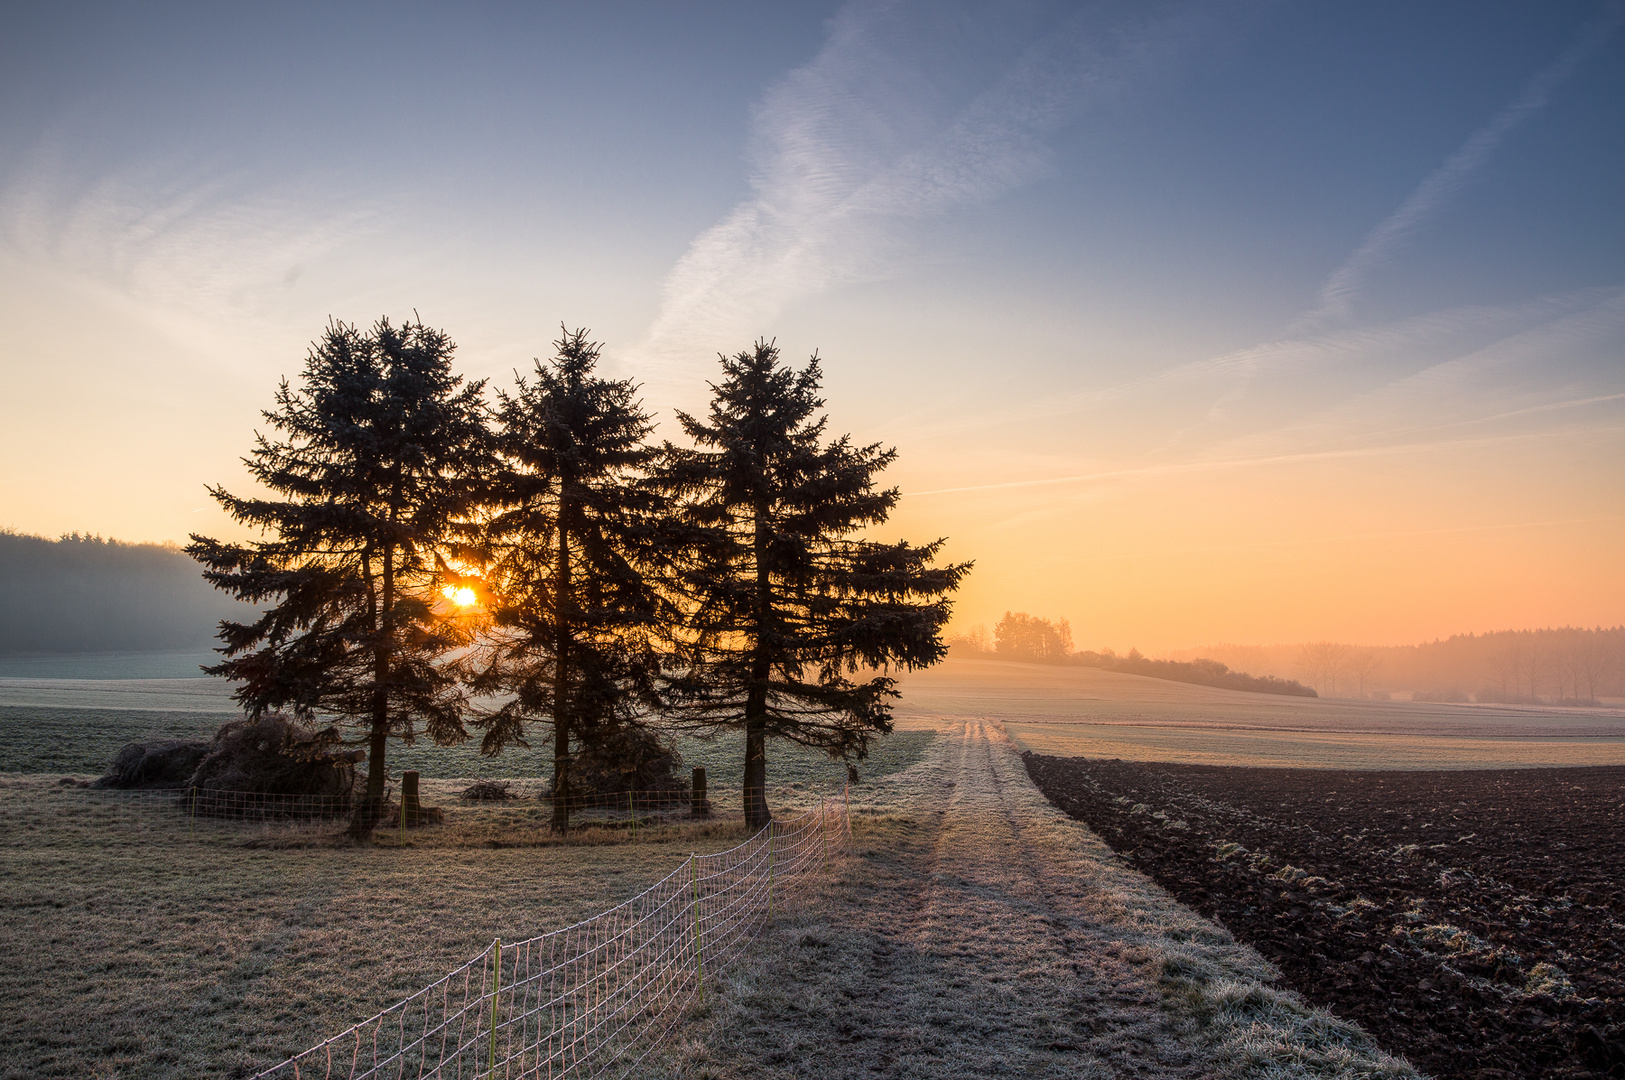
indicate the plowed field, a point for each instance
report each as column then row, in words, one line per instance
column 1473, row 921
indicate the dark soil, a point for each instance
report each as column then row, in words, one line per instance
column 1473, row 921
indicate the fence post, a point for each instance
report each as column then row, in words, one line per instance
column 823, row 829
column 632, row 812
column 771, row 829
column 696, row 805
column 496, row 988
column 699, row 959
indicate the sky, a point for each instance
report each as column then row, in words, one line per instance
column 1192, row 323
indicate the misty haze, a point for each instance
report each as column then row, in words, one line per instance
column 842, row 539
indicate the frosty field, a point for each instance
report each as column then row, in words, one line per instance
column 1086, row 712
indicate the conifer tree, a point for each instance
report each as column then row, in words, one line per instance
column 378, row 457
column 784, row 601
column 575, row 619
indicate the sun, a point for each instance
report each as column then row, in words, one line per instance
column 461, row 595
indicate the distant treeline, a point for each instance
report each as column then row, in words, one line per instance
column 1562, row 665
column 1020, row 636
column 87, row 594
column 1568, row 665
column 1203, row 671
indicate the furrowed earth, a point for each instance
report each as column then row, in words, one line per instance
column 1471, row 920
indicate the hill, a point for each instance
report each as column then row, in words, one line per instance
column 87, row 594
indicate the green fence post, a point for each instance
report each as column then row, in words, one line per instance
column 823, row 830
column 496, row 988
column 699, row 960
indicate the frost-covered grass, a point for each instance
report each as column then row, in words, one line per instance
column 81, row 742
column 170, row 958
column 139, row 944
column 978, row 932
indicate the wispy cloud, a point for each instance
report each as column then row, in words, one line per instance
column 1451, row 380
column 1306, row 373
column 206, row 257
column 1451, row 533
column 856, row 144
column 1261, row 461
column 1343, row 288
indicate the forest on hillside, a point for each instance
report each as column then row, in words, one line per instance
column 1032, row 639
column 83, row 593
column 1566, row 665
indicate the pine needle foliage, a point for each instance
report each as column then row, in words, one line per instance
column 376, row 461
column 784, row 601
column 572, row 541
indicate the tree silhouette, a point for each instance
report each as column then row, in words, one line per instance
column 380, row 452
column 576, row 622
column 1020, row 636
column 783, row 601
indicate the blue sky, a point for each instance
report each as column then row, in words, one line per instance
column 1245, row 321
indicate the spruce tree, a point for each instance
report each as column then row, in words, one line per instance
column 377, row 459
column 784, row 600
column 571, row 539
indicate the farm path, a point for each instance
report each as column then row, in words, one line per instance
column 1049, row 979
column 960, row 944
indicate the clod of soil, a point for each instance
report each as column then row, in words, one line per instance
column 163, row 763
column 1473, row 921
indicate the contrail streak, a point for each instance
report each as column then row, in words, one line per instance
column 1344, row 538
column 1343, row 287
column 1244, row 463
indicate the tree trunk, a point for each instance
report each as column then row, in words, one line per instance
column 761, row 669
column 561, row 678
column 371, row 809
column 757, row 814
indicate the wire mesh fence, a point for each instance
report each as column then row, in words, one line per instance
column 593, row 999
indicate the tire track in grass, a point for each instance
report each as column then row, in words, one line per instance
column 977, row 932
column 991, row 907
column 943, row 951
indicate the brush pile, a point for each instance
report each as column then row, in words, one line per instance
column 630, row 759
column 276, row 756
column 155, row 765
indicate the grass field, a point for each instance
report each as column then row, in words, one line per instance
column 70, row 716
column 979, row 932
column 123, row 958
column 1087, row 712
column 65, row 715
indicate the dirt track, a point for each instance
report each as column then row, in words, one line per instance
column 978, row 932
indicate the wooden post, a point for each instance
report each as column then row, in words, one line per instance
column 632, row 812
column 697, row 804
column 411, row 808
column 771, row 829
